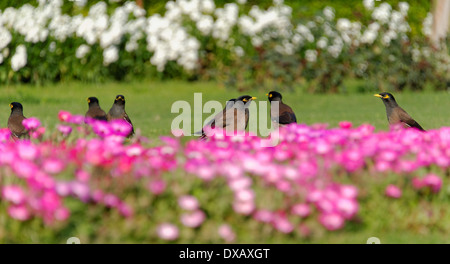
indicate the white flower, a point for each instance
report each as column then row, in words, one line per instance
column 427, row 24
column 207, row 6
column 328, row 13
column 241, row 2
column 382, row 13
column 1, row 58
column 5, row 37
column 322, row 43
column 205, row 24
column 343, row 24
column 311, row 55
column 82, row 50
column 110, row 55
column 19, row 59
column 404, row 7
column 368, row 4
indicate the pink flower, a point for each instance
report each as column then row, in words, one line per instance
column 244, row 208
column 19, row 212
column 125, row 210
column 27, row 150
column 188, row 202
column 110, row 200
column 98, row 196
column 82, row 176
column 31, row 123
column 76, row 119
column 120, row 127
column 167, row 231
column 240, row 183
column 345, row 124
column 226, row 232
column 347, row 207
column 62, row 214
column 157, row 187
column 64, row 116
column 80, row 190
column 65, row 130
column 37, row 134
column 417, row 183
column 264, row 216
column 53, row 166
column 244, row 195
column 433, row 181
column 5, row 134
column 193, row 219
column 393, row 191
column 14, row 194
column 282, row 224
column 348, row 191
column 332, row 221
column 302, row 210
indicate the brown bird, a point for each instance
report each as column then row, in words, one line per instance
column 94, row 111
column 15, row 121
column 395, row 114
column 228, row 105
column 117, row 111
column 234, row 117
column 285, row 114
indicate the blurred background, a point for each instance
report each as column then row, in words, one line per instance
column 315, row 46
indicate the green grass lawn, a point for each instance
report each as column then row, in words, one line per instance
column 149, row 107
column 149, row 103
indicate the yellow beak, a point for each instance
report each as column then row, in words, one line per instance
column 377, row 95
column 254, row 98
column 10, row 105
column 267, row 94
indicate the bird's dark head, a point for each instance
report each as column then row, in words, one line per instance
column 15, row 106
column 92, row 100
column 274, row 96
column 386, row 97
column 120, row 99
column 245, row 98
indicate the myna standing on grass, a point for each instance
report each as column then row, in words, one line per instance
column 228, row 105
column 234, row 117
column 15, row 121
column 395, row 114
column 285, row 114
column 94, row 111
column 117, row 111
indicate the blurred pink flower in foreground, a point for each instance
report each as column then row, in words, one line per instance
column 65, row 130
column 188, row 202
column 64, row 116
column 393, row 191
column 31, row 123
column 433, row 181
column 19, row 212
column 167, row 231
column 332, row 221
column 226, row 233
column 14, row 194
column 193, row 219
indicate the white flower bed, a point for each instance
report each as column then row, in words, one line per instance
column 176, row 35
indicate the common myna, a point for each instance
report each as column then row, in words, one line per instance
column 234, row 117
column 15, row 121
column 117, row 111
column 395, row 114
column 228, row 105
column 94, row 110
column 285, row 114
